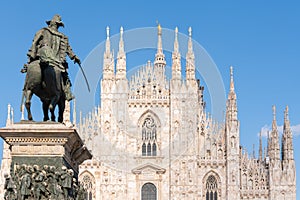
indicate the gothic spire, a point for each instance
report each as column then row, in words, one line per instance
column 232, row 124
column 176, row 57
column 107, row 43
column 232, row 100
column 287, row 138
column 274, row 123
column 190, row 59
column 287, row 120
column 232, row 94
column 121, row 59
column 190, row 43
column 231, row 80
column 121, row 43
column 159, row 42
column 232, row 131
column 108, row 62
column 176, row 46
column 275, row 147
column 160, row 61
column 260, row 147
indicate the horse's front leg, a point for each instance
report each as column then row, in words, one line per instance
column 28, row 95
column 61, row 109
column 52, row 115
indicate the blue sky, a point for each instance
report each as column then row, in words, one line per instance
column 260, row 39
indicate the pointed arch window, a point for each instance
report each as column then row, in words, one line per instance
column 211, row 188
column 87, row 182
column 149, row 137
column 154, row 149
column 149, row 192
column 144, row 150
column 149, row 149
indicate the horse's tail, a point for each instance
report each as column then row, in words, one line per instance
column 22, row 101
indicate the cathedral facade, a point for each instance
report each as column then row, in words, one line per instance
column 152, row 139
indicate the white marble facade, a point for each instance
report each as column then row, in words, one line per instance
column 152, row 139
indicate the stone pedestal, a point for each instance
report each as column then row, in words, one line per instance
column 45, row 143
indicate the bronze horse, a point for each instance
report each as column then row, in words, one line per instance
column 45, row 81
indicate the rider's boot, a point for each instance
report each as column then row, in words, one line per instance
column 68, row 93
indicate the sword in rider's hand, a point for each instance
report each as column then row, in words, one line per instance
column 87, row 83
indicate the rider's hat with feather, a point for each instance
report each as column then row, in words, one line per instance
column 56, row 19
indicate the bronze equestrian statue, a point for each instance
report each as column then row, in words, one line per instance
column 47, row 75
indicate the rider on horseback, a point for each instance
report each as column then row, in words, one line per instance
column 51, row 47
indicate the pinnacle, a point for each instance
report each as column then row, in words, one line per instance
column 231, row 80
column 107, row 32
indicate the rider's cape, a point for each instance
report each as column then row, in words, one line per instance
column 57, row 42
